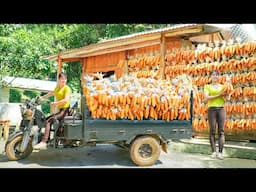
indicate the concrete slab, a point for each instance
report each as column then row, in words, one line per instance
column 237, row 149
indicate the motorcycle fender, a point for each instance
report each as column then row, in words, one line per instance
column 13, row 135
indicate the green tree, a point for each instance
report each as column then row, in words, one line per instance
column 15, row 96
column 22, row 46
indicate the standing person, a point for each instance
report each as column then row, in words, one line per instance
column 62, row 94
column 214, row 93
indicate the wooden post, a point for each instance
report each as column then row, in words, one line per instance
column 5, row 126
column 6, row 130
column 125, row 70
column 83, row 71
column 162, row 52
column 59, row 69
column 212, row 38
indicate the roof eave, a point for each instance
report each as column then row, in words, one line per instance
column 132, row 41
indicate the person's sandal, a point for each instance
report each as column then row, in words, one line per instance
column 40, row 145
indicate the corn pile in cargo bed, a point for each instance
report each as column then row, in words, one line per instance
column 135, row 98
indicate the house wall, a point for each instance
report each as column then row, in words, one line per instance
column 10, row 111
column 4, row 94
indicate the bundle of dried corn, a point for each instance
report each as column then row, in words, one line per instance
column 211, row 53
column 236, row 64
column 132, row 98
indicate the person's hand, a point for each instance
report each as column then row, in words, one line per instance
column 53, row 104
column 37, row 99
column 223, row 94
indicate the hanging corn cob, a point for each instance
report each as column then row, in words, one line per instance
column 138, row 98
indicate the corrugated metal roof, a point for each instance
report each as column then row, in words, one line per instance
column 177, row 26
column 31, row 84
column 243, row 31
column 98, row 48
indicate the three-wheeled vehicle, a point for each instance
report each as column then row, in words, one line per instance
column 142, row 138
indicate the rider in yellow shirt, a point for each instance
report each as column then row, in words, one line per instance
column 62, row 94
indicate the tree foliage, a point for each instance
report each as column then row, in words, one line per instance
column 22, row 46
column 15, row 96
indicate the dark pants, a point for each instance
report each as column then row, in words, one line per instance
column 217, row 115
column 49, row 121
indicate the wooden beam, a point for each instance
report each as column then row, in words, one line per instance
column 162, row 52
column 100, row 69
column 100, row 51
column 72, row 59
column 171, row 39
column 219, row 36
column 178, row 32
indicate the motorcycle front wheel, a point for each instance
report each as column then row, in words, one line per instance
column 12, row 149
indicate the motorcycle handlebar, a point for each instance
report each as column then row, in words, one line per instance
column 40, row 100
column 36, row 101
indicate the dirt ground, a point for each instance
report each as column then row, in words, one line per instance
column 110, row 156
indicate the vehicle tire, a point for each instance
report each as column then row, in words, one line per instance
column 12, row 152
column 145, row 151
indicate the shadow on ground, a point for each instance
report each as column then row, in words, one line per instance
column 100, row 156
